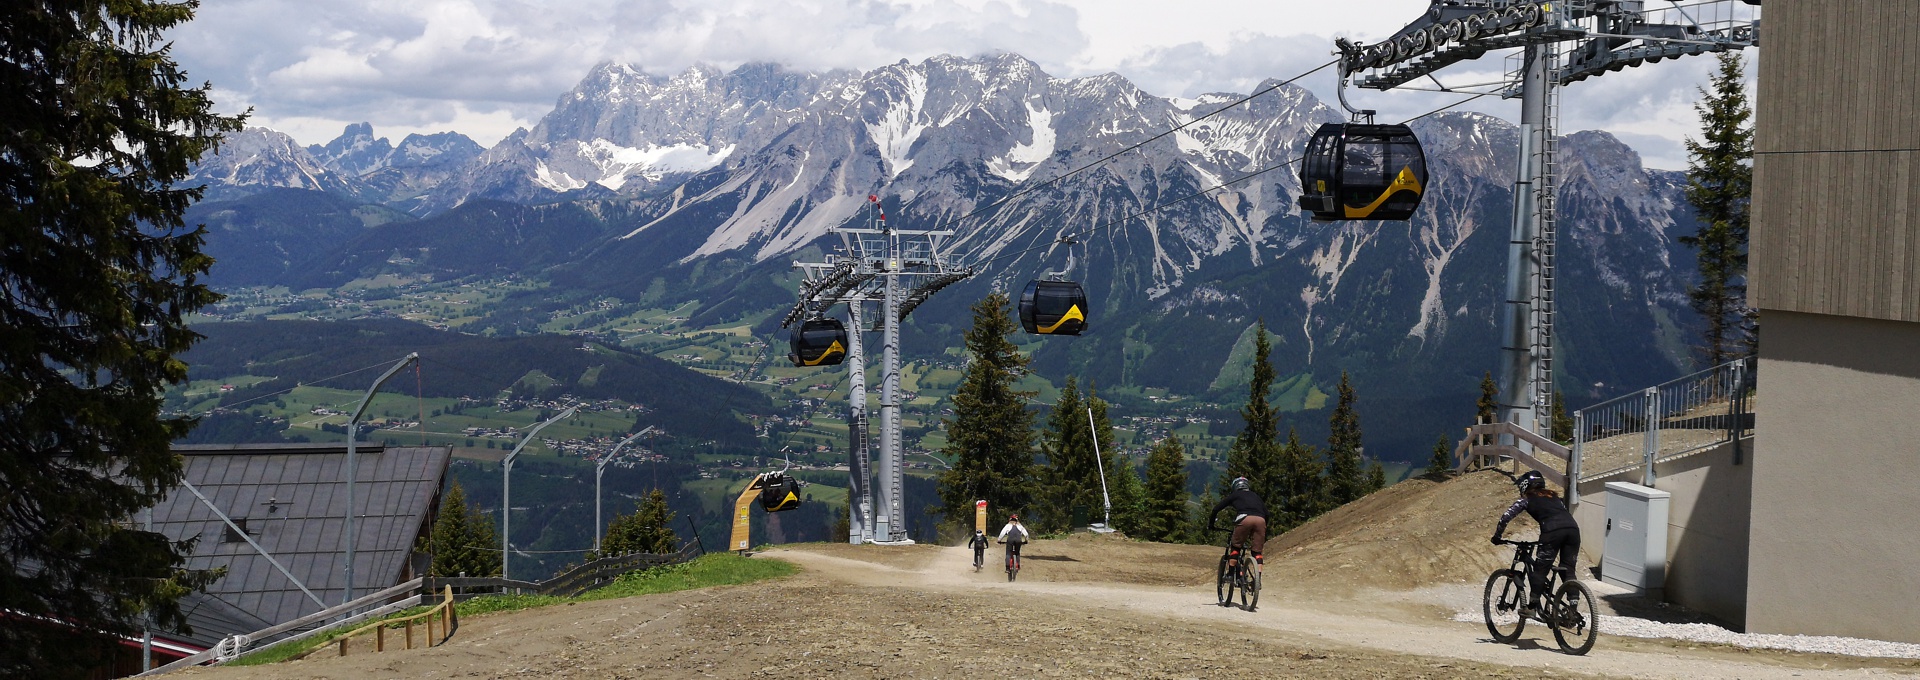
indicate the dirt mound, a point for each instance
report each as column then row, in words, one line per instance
column 1413, row 534
column 1079, row 558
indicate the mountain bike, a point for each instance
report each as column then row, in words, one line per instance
column 1013, row 560
column 979, row 559
column 1239, row 574
column 1569, row 611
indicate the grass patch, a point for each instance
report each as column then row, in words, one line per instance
column 715, row 569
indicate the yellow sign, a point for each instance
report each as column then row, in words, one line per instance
column 980, row 516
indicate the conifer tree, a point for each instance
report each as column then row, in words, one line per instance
column 990, row 436
column 1442, row 460
column 1345, row 477
column 1069, row 463
column 1720, row 185
column 648, row 530
column 1129, row 497
column 1256, row 451
column 1164, row 512
column 462, row 540
column 1299, row 496
column 100, row 272
column 1376, row 477
column 1197, row 521
column 1561, row 424
column 1487, row 408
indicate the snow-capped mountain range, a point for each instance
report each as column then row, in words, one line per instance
column 750, row 166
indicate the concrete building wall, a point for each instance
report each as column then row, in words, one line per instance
column 1834, row 548
column 1835, row 274
column 1707, row 528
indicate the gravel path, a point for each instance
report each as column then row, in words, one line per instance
column 1712, row 634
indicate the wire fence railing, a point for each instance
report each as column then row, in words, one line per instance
column 1676, row 418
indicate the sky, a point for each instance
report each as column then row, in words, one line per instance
column 486, row 67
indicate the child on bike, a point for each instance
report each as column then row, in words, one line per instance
column 1249, row 521
column 979, row 545
column 1559, row 534
column 1014, row 534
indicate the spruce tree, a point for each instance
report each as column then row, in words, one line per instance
column 1376, row 477
column 1164, row 510
column 1487, row 408
column 990, row 436
column 1255, row 453
column 1561, row 424
column 462, row 540
column 1197, row 521
column 1345, row 477
column 648, row 530
column 1069, row 463
column 1719, row 185
column 1299, row 496
column 1442, row 461
column 100, row 272
column 1129, row 497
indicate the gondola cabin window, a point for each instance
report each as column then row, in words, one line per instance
column 1053, row 308
column 818, row 342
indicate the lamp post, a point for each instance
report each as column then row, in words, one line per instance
column 600, row 469
column 353, row 462
column 506, row 488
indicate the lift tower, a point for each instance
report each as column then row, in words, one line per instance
column 1557, row 43
column 875, row 264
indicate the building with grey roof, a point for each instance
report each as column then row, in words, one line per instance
column 291, row 499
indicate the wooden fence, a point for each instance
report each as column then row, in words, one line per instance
column 1482, row 448
column 568, row 583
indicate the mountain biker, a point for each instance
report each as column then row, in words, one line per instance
column 1249, row 521
column 979, row 545
column 1559, row 534
column 1014, row 534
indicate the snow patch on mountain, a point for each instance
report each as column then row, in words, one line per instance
column 652, row 161
column 902, row 125
column 1029, row 154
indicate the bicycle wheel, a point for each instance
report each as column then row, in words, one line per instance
column 1500, row 603
column 1250, row 586
column 1576, row 624
column 1013, row 567
column 1223, row 582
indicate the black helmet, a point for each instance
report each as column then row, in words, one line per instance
column 1241, row 484
column 1530, row 481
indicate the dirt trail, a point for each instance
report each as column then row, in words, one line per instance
column 1365, row 591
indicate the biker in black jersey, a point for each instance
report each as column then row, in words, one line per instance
column 1249, row 521
column 1559, row 534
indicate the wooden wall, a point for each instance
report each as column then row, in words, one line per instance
column 1836, row 211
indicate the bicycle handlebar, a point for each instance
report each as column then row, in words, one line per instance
column 1518, row 543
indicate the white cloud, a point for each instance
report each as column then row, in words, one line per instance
column 485, row 67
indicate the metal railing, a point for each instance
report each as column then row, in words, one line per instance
column 1676, row 418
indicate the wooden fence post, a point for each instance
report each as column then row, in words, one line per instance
column 343, row 646
column 380, row 638
column 410, row 630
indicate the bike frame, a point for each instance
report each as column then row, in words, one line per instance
column 1523, row 555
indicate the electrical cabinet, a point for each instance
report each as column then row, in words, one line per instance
column 1634, row 554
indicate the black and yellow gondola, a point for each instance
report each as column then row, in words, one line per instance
column 818, row 342
column 1053, row 308
column 1355, row 171
column 776, row 492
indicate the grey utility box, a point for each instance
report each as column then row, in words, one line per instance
column 1635, row 552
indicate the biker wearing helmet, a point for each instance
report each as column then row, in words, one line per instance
column 1249, row 521
column 1559, row 534
column 1014, row 534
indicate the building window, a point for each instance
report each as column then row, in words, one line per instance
column 231, row 536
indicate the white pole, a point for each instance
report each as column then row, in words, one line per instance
column 1105, row 500
column 506, row 488
column 353, row 463
column 600, row 528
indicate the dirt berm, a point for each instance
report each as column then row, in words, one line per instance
column 1413, row 534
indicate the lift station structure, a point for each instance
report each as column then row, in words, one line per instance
column 1560, row 43
column 897, row 269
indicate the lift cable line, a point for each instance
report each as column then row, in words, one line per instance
column 250, row 400
column 1243, row 100
column 1069, row 237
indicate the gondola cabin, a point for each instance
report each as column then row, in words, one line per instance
column 818, row 342
column 780, row 494
column 1355, row 171
column 1054, row 308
